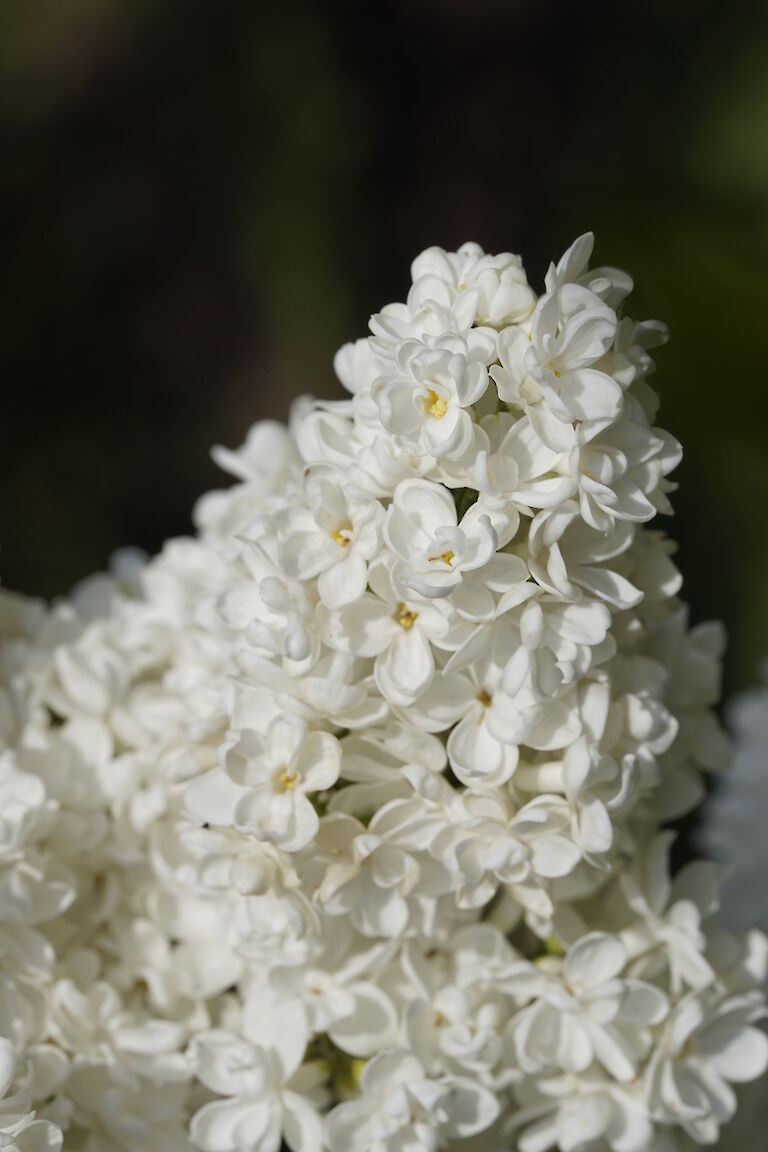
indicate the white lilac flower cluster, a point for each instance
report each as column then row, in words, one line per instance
column 338, row 825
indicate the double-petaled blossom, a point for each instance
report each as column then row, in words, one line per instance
column 400, row 1107
column 426, row 402
column 434, row 548
column 398, row 633
column 550, row 373
column 279, row 772
column 331, row 539
column 252, row 1074
column 586, row 1013
column 709, row 1044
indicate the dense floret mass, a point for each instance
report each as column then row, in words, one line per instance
column 340, row 825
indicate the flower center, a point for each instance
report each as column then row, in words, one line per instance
column 485, row 698
column 446, row 557
column 405, row 617
column 289, row 780
column 343, row 537
column 436, row 405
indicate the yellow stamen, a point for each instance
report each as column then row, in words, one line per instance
column 289, row 781
column 556, row 373
column 346, row 1072
column 446, row 557
column 553, row 947
column 357, row 1068
column 405, row 617
column 485, row 699
column 436, row 404
column 342, row 540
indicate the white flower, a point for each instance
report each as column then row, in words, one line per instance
column 588, row 1014
column 481, row 748
column 334, row 691
column 426, row 402
column 332, row 538
column 553, row 377
column 422, row 530
column 386, row 890
column 619, row 470
column 541, row 641
column 708, row 1044
column 482, row 745
column 26, row 1134
column 514, row 465
column 19, row 1130
column 489, row 716
column 400, row 1108
column 586, row 1109
column 610, row 284
column 252, row 1075
column 357, row 365
column 357, row 449
column 275, row 614
column 484, row 847
column 278, row 772
column 456, row 1009
column 338, row 993
column 668, row 931
column 594, row 784
column 89, row 678
column 496, row 286
column 398, row 633
column 504, row 295
column 571, row 559
column 374, row 766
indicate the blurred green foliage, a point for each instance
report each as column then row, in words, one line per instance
column 201, row 202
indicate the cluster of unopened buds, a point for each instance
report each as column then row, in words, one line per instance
column 338, row 826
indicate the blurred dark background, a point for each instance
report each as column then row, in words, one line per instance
column 201, row 202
